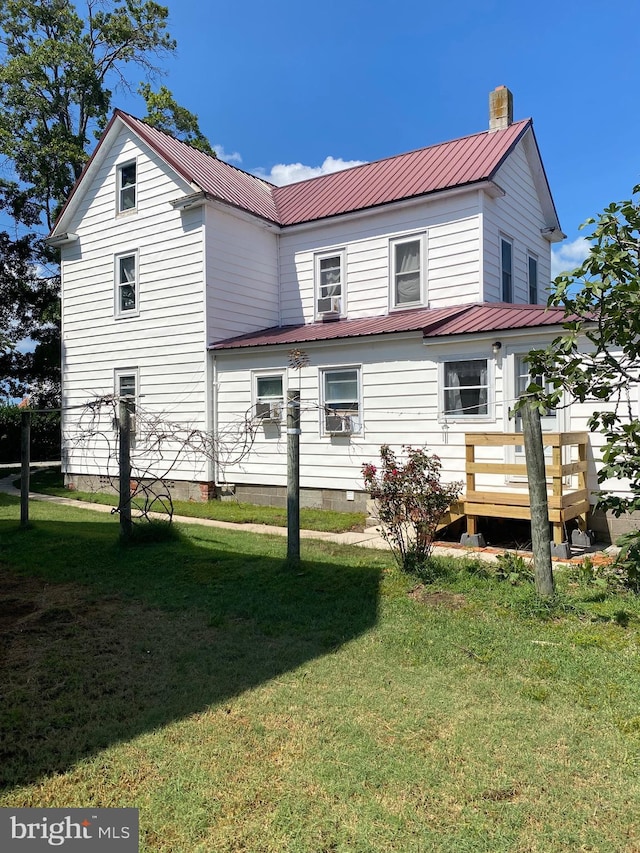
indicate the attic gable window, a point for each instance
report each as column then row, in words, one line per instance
column 127, row 183
column 533, row 279
column 407, row 273
column 126, row 295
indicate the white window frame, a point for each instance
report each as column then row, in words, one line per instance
column 443, row 417
column 509, row 242
column 120, row 189
column 120, row 312
column 317, row 261
column 255, row 396
column 118, row 375
column 356, row 421
column 420, row 238
column 531, row 256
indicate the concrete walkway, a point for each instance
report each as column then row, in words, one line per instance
column 369, row 538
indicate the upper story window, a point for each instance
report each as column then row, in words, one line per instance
column 330, row 286
column 506, row 268
column 126, row 295
column 341, row 400
column 533, row 279
column 269, row 396
column 407, row 271
column 127, row 187
column 465, row 389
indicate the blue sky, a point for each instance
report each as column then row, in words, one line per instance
column 279, row 84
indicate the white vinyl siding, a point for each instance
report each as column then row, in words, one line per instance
column 518, row 215
column 166, row 340
column 449, row 228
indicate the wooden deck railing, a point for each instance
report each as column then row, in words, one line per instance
column 564, row 503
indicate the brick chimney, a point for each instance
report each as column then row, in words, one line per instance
column 500, row 108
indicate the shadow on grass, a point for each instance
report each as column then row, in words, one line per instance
column 100, row 643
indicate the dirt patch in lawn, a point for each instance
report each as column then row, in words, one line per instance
column 450, row 600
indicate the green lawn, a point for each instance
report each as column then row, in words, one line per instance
column 243, row 705
column 50, row 482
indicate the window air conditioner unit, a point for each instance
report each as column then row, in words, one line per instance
column 329, row 307
column 269, row 411
column 339, row 424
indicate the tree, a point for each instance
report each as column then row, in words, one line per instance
column 597, row 357
column 57, row 71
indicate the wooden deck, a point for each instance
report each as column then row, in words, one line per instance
column 565, row 503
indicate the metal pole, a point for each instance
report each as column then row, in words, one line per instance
column 124, row 460
column 293, row 476
column 25, row 459
column 536, row 475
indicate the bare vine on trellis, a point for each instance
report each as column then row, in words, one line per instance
column 158, row 447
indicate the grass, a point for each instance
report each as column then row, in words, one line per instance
column 244, row 705
column 50, row 482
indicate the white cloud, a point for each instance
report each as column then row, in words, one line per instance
column 567, row 256
column 289, row 173
column 223, row 155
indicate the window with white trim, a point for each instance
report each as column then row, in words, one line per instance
column 465, row 389
column 506, row 269
column 341, row 400
column 126, row 389
column 330, row 287
column 407, row 271
column 126, row 273
column 269, row 396
column 532, row 272
column 127, row 187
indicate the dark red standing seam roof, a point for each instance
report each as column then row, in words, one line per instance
column 450, row 164
column 433, row 322
column 459, row 163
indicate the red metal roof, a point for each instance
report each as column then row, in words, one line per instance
column 450, row 164
column 433, row 322
column 458, row 163
column 214, row 176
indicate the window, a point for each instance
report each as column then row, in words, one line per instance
column 341, row 398
column 506, row 267
column 126, row 388
column 269, row 397
column 533, row 279
column 406, row 272
column 126, row 284
column 127, row 187
column 466, row 389
column 329, row 283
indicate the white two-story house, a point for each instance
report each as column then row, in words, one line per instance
column 397, row 297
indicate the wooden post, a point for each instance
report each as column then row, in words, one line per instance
column 540, row 539
column 293, row 477
column 25, row 460
column 124, row 460
column 470, row 458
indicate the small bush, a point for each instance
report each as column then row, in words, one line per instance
column 513, row 568
column 410, row 501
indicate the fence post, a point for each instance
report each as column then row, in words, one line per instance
column 124, row 460
column 536, row 475
column 293, row 477
column 25, row 459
